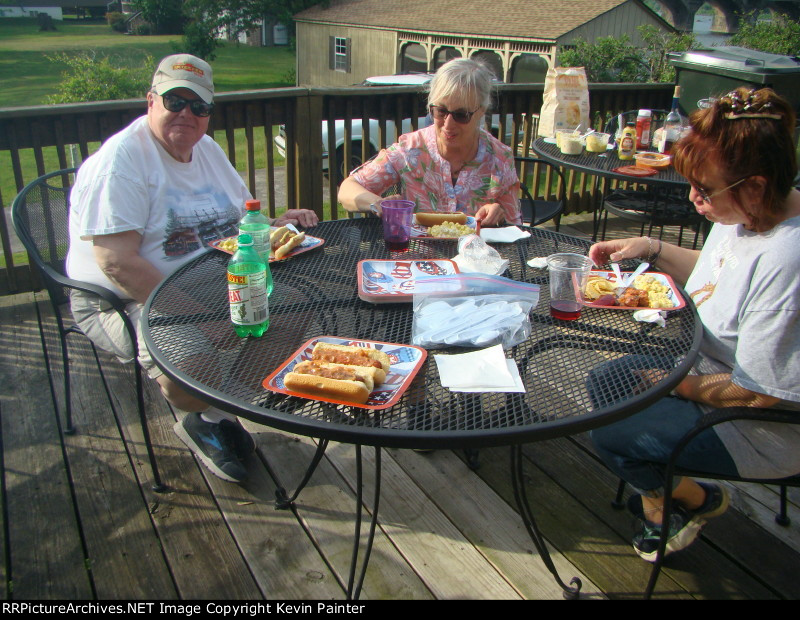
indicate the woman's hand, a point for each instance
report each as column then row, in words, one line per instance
column 298, row 217
column 490, row 215
column 619, row 249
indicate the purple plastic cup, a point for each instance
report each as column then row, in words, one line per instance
column 396, row 216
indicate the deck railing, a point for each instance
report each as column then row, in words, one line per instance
column 40, row 139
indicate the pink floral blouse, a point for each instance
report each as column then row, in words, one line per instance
column 426, row 179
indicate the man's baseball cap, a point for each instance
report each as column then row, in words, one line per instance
column 184, row 71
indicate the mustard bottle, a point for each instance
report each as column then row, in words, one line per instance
column 627, row 142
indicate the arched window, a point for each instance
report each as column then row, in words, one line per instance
column 529, row 68
column 413, row 59
column 442, row 55
column 493, row 60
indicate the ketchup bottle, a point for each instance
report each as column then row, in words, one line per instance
column 643, row 121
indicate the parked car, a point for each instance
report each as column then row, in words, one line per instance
column 414, row 79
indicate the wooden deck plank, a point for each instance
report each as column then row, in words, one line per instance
column 124, row 552
column 473, row 507
column 45, row 546
column 326, row 508
column 696, row 571
column 425, row 536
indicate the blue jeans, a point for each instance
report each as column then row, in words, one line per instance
column 638, row 447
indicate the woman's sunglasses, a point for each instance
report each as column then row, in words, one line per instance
column 173, row 103
column 440, row 113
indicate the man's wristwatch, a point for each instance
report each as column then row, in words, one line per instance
column 374, row 209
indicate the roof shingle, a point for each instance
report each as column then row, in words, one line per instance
column 541, row 19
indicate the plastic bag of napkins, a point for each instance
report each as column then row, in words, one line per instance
column 472, row 310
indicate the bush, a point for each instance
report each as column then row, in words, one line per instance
column 92, row 78
column 117, row 21
column 779, row 35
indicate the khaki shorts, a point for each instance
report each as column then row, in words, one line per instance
column 106, row 329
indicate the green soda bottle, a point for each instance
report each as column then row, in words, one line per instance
column 255, row 224
column 247, row 290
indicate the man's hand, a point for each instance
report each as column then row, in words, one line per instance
column 298, row 217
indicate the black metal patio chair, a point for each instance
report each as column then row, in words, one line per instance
column 707, row 421
column 40, row 216
column 538, row 211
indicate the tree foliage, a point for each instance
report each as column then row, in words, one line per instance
column 780, row 35
column 609, row 59
column 92, row 78
column 166, row 16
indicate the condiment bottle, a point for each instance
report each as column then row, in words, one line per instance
column 627, row 142
column 643, row 122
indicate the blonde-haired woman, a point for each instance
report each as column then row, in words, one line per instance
column 452, row 165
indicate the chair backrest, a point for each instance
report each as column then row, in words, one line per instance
column 545, row 175
column 40, row 216
column 657, row 121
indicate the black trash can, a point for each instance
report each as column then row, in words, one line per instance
column 707, row 73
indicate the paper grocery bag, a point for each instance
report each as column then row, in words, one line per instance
column 566, row 101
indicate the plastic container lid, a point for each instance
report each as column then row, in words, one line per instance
column 645, row 113
column 253, row 205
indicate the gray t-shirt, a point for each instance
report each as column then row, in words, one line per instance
column 747, row 291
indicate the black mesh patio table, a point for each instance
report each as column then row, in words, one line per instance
column 190, row 336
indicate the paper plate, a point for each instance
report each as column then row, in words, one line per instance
column 406, row 361
column 393, row 281
column 309, row 243
column 421, row 232
column 661, row 278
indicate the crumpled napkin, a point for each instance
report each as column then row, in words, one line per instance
column 486, row 370
column 651, row 316
column 509, row 234
column 538, row 262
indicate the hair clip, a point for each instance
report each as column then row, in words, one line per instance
column 752, row 107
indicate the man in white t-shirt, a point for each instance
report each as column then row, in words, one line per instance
column 147, row 202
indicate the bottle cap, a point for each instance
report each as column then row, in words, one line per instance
column 245, row 239
column 645, row 113
column 630, row 124
column 253, row 205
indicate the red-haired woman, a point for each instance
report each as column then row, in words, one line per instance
column 740, row 161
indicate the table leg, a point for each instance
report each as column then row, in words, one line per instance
column 571, row 591
column 283, row 502
column 282, row 499
column 353, row 589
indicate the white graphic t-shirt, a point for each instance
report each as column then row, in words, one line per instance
column 132, row 183
column 747, row 290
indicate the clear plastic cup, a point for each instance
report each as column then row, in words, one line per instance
column 568, row 275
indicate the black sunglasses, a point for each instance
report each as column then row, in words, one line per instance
column 173, row 103
column 440, row 113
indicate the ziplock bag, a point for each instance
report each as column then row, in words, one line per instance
column 472, row 310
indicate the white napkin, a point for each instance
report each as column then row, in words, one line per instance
column 509, row 234
column 539, row 262
column 651, row 316
column 486, row 370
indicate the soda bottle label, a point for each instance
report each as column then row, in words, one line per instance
column 247, row 294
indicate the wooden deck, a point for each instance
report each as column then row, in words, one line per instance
column 81, row 522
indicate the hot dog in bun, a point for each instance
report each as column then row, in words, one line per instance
column 353, row 356
column 428, row 218
column 283, row 240
column 341, row 382
column 339, row 372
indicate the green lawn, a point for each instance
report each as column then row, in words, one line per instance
column 28, row 77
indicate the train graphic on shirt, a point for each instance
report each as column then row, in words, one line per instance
column 190, row 232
